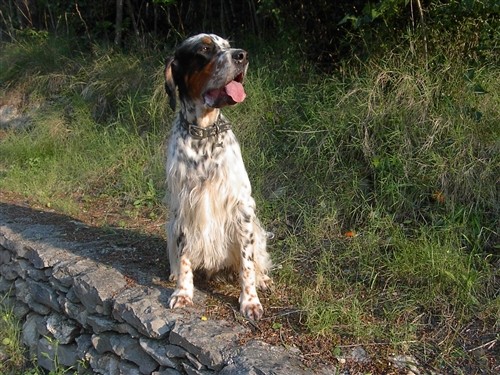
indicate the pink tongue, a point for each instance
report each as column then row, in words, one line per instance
column 236, row 91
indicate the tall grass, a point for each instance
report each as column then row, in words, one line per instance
column 379, row 182
column 100, row 132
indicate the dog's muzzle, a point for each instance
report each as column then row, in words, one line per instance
column 232, row 92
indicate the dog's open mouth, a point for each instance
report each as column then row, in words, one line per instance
column 232, row 93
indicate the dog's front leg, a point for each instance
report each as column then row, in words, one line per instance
column 183, row 294
column 250, row 305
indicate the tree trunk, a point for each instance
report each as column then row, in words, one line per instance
column 130, row 8
column 24, row 13
column 118, row 23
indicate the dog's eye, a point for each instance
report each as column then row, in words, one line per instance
column 205, row 49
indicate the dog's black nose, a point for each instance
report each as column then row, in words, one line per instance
column 240, row 56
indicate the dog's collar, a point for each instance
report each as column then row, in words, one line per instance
column 198, row 132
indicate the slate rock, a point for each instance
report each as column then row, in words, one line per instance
column 23, row 294
column 5, row 285
column 75, row 311
column 359, row 355
column 193, row 371
column 30, row 335
column 256, row 358
column 157, row 349
column 167, row 371
column 64, row 330
column 49, row 351
column 10, row 271
column 43, row 294
column 106, row 364
column 125, row 347
column 146, row 310
column 66, row 271
column 194, row 362
column 42, row 245
column 5, row 256
column 96, row 289
column 72, row 297
column 83, row 345
column 9, row 239
column 101, row 324
column 102, row 342
column 20, row 309
column 127, row 368
column 33, row 273
column 174, row 351
column 206, row 340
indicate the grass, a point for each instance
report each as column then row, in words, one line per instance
column 76, row 142
column 13, row 354
column 11, row 349
column 380, row 182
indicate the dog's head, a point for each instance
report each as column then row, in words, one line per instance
column 206, row 70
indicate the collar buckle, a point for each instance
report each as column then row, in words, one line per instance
column 198, row 132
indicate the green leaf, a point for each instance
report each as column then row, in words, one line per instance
column 277, row 325
column 478, row 89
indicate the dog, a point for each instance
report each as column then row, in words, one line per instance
column 212, row 222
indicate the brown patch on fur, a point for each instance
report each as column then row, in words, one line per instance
column 197, row 81
column 207, row 40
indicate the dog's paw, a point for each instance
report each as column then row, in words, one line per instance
column 179, row 300
column 172, row 277
column 264, row 282
column 252, row 310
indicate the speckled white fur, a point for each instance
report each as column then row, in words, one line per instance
column 212, row 225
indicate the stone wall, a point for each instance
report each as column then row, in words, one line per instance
column 82, row 309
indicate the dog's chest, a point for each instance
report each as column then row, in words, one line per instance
column 213, row 162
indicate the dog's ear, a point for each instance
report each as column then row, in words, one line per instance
column 170, row 82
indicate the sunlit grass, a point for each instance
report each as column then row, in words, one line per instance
column 379, row 183
column 11, row 349
column 15, row 359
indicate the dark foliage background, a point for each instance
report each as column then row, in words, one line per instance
column 325, row 31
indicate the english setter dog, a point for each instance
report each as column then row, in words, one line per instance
column 212, row 224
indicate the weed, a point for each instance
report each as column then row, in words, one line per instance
column 11, row 348
column 13, row 352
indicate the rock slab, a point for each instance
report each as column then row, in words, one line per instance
column 79, row 307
